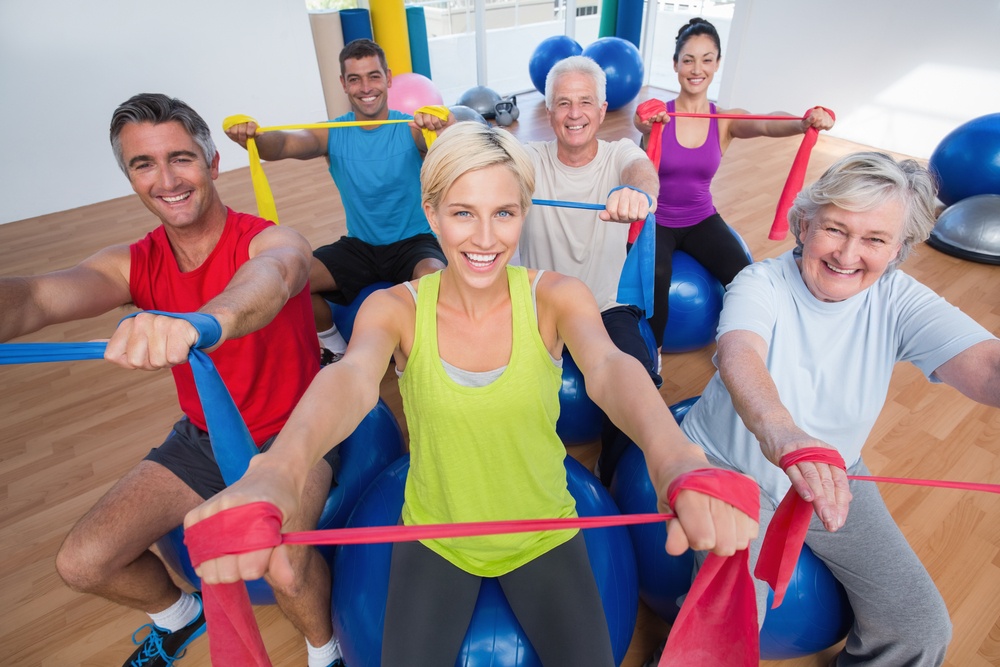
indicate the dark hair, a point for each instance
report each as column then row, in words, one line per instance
column 696, row 26
column 362, row 48
column 157, row 108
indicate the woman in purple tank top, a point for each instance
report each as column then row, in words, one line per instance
column 692, row 150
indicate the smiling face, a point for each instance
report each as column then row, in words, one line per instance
column 845, row 252
column 167, row 169
column 696, row 64
column 478, row 223
column 575, row 115
column 367, row 86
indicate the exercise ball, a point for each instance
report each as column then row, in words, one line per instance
column 464, row 113
column 967, row 160
column 663, row 579
column 548, row 52
column 481, row 99
column 695, row 302
column 494, row 638
column 814, row 615
column 580, row 420
column 374, row 444
column 622, row 64
column 410, row 91
column 343, row 315
column 970, row 229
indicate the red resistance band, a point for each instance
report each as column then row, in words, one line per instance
column 787, row 532
column 719, row 610
column 796, row 176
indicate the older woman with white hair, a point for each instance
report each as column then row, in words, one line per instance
column 806, row 347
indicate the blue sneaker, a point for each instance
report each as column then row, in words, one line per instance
column 161, row 648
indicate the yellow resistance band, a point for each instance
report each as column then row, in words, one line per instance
column 265, row 199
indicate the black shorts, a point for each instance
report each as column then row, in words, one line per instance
column 187, row 452
column 355, row 264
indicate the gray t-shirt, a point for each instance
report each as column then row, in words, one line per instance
column 575, row 242
column 831, row 362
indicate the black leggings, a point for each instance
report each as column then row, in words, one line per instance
column 710, row 243
column 554, row 598
column 622, row 325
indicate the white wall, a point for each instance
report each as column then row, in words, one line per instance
column 66, row 64
column 900, row 74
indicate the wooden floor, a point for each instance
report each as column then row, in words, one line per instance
column 71, row 429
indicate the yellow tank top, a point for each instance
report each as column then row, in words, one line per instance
column 485, row 453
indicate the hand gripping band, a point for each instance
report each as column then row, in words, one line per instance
column 232, row 444
column 717, row 624
column 262, row 190
column 635, row 285
column 786, row 534
column 796, row 176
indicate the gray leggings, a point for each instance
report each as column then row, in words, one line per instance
column 554, row 598
column 900, row 618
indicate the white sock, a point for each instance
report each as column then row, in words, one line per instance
column 325, row 654
column 179, row 614
column 332, row 340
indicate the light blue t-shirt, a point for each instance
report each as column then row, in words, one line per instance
column 377, row 172
column 831, row 362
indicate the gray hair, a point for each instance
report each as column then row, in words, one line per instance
column 468, row 146
column 157, row 108
column 865, row 181
column 581, row 64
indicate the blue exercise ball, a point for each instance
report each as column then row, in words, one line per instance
column 580, row 420
column 374, row 444
column 695, row 302
column 814, row 615
column 663, row 579
column 548, row 52
column 494, row 638
column 622, row 64
column 343, row 315
column 967, row 160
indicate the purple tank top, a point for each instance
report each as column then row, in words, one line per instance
column 685, row 176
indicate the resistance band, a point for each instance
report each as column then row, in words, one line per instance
column 729, row 638
column 635, row 286
column 796, row 175
column 262, row 190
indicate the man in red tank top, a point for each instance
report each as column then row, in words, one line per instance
column 251, row 276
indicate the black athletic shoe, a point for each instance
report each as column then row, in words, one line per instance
column 161, row 647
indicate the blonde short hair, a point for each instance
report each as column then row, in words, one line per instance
column 469, row 146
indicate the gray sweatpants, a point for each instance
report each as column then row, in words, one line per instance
column 900, row 618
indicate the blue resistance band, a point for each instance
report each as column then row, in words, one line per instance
column 231, row 441
column 635, row 286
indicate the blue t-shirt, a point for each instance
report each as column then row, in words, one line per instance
column 377, row 172
column 831, row 362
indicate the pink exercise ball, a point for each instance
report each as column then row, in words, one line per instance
column 410, row 91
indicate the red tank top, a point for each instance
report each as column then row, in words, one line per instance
column 266, row 371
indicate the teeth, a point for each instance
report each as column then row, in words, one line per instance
column 576, row 127
column 481, row 259
column 173, row 200
column 845, row 272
